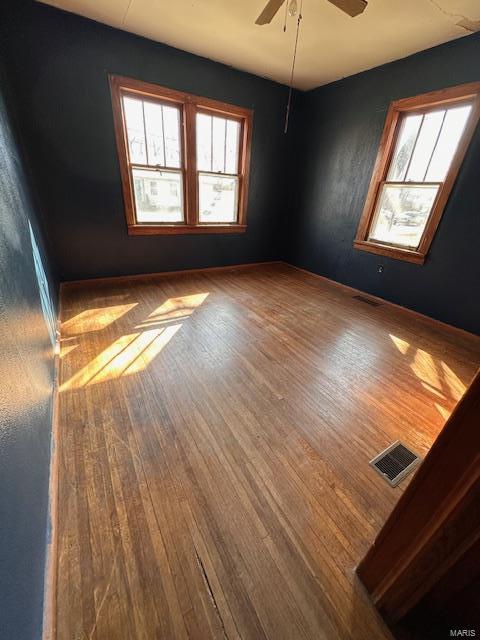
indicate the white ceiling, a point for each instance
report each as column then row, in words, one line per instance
column 332, row 45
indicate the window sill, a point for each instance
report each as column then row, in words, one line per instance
column 396, row 253
column 177, row 229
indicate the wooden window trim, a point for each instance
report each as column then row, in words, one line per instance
column 422, row 103
column 189, row 106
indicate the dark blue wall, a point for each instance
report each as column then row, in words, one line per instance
column 59, row 64
column 26, row 383
column 337, row 129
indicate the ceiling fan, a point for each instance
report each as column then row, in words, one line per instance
column 352, row 7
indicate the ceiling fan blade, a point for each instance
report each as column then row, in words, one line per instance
column 269, row 12
column 352, row 7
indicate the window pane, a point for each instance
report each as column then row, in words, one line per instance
column 217, row 144
column 402, row 213
column 219, row 139
column 204, row 142
column 425, row 145
column 218, row 198
column 171, row 124
column 404, row 147
column 232, row 144
column 154, row 127
column 455, row 121
column 158, row 195
column 135, row 131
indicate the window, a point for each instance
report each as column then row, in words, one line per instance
column 217, row 167
column 423, row 144
column 184, row 160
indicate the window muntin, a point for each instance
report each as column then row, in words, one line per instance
column 423, row 144
column 184, row 159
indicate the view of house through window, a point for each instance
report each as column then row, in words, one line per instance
column 423, row 153
column 184, row 159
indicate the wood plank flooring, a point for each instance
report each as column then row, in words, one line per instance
column 215, row 431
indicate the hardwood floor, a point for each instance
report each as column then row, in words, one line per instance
column 215, row 432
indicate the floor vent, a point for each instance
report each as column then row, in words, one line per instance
column 395, row 463
column 372, row 303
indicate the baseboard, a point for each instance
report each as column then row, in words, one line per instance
column 51, row 559
column 162, row 274
column 421, row 316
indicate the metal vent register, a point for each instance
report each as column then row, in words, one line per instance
column 395, row 463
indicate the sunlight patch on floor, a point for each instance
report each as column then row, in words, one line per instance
column 182, row 306
column 127, row 355
column 95, row 319
column 442, row 411
column 133, row 352
column 453, row 382
column 423, row 366
column 65, row 349
column 108, row 355
column 402, row 345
